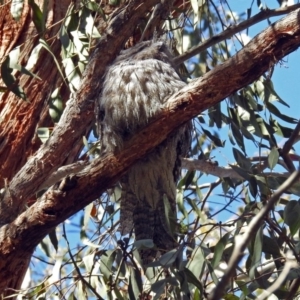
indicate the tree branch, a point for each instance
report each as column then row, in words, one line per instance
column 209, row 167
column 75, row 192
column 241, row 241
column 264, row 14
column 80, row 107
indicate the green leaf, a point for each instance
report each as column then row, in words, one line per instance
column 238, row 136
column 246, row 134
column 167, row 259
column 71, row 73
column 142, row 244
column 194, row 206
column 135, row 284
column 273, row 95
column 231, row 297
column 184, row 287
column 87, row 215
column 273, row 158
column 281, row 130
column 241, row 159
column 107, row 260
column 231, row 139
column 87, row 242
column 88, row 26
column 13, row 63
column 191, row 278
column 212, row 273
column 225, row 186
column 197, row 262
column 119, row 296
column 241, row 172
column 56, row 106
column 215, row 114
column 270, row 246
column 291, row 216
column 89, row 262
column 253, row 186
column 46, row 46
column 37, row 17
column 93, row 6
column 195, row 8
column 243, row 287
column 43, row 134
column 9, row 79
column 256, row 252
column 261, row 128
column 159, row 286
column 45, row 246
column 275, row 111
column 114, row 2
column 53, row 239
column 189, row 177
column 219, row 249
column 213, row 138
column 180, row 203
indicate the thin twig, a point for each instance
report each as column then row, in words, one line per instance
column 78, row 270
column 241, row 242
column 293, row 289
column 264, row 14
column 284, row 152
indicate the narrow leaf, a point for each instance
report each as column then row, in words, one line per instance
column 135, row 284
column 291, row 216
column 53, row 239
column 273, row 158
column 37, row 16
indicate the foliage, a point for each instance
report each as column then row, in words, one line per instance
column 87, row 258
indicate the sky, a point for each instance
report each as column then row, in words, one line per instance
column 286, row 83
column 286, row 74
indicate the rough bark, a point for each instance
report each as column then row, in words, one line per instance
column 25, row 229
column 19, row 119
column 80, row 107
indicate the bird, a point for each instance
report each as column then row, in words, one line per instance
column 135, row 89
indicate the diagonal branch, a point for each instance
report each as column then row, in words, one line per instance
column 241, row 242
column 232, row 30
column 75, row 192
column 79, row 109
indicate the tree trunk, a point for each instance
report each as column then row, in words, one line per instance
column 20, row 119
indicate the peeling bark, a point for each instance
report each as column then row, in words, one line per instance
column 20, row 119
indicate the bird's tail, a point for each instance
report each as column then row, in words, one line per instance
column 155, row 224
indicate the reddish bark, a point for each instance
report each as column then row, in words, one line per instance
column 20, row 119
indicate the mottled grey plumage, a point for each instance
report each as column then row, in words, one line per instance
column 136, row 86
